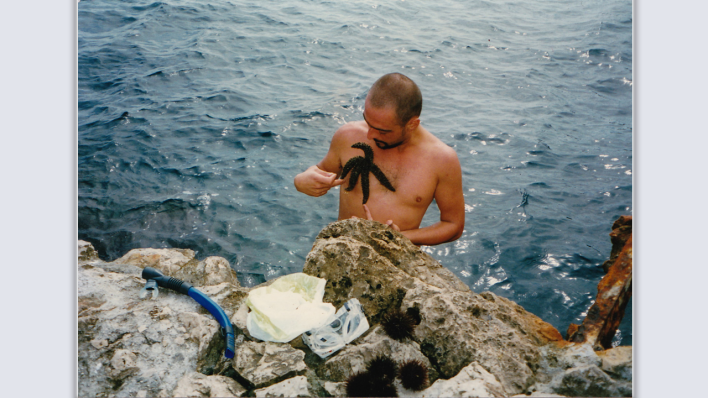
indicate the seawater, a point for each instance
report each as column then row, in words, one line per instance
column 194, row 117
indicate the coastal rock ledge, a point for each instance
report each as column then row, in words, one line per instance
column 474, row 344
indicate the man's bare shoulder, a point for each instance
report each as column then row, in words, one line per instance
column 445, row 156
column 350, row 132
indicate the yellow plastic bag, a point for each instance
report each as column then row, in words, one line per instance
column 287, row 308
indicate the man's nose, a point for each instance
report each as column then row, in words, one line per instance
column 371, row 133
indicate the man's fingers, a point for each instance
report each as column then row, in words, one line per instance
column 368, row 213
column 337, row 182
column 392, row 225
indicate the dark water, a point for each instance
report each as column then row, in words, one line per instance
column 194, row 117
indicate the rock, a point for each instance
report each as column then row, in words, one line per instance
column 87, row 252
column 369, row 261
column 459, row 328
column 354, row 270
column 617, row 362
column 198, row 385
column 621, row 231
column 575, row 370
column 354, row 357
column 264, row 364
column 181, row 264
column 336, row 389
column 397, row 249
column 473, row 344
column 472, row 381
column 295, row 387
column 613, row 294
column 590, row 381
column 128, row 346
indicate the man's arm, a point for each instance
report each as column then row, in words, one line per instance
column 319, row 179
column 451, row 202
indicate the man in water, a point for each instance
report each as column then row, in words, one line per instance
column 418, row 165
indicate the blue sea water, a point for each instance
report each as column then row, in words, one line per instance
column 194, row 117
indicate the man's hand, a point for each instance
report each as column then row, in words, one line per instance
column 389, row 222
column 316, row 182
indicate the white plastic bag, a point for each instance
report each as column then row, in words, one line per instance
column 288, row 307
column 348, row 323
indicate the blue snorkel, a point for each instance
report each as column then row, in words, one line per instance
column 155, row 278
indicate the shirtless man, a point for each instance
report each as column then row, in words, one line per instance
column 419, row 166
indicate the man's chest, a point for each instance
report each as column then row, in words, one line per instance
column 413, row 179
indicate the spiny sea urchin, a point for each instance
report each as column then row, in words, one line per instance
column 365, row 384
column 384, row 367
column 398, row 325
column 414, row 375
column 359, row 385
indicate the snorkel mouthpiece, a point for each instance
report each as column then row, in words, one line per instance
column 152, row 276
column 168, row 282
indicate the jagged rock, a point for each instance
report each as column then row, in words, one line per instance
column 369, row 261
column 264, row 364
column 336, row 389
column 199, row 385
column 472, row 381
column 130, row 347
column 621, row 231
column 484, row 345
column 397, row 249
column 617, row 362
column 295, row 387
column 458, row 328
column 613, row 293
column 86, row 251
column 575, row 370
column 590, row 381
column 353, row 358
column 181, row 264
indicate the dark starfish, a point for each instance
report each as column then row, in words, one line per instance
column 362, row 166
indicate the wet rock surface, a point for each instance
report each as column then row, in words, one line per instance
column 474, row 344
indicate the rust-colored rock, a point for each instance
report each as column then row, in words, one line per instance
column 613, row 294
column 621, row 231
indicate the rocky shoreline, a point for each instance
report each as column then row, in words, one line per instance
column 474, row 345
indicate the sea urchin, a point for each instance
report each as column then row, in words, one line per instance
column 383, row 367
column 414, row 375
column 398, row 325
column 365, row 384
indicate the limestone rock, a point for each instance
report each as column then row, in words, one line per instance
column 354, row 270
column 336, row 389
column 575, row 370
column 353, row 358
column 472, row 381
column 198, row 385
column 459, row 328
column 133, row 347
column 618, row 362
column 590, row 381
column 294, row 387
column 181, row 264
column 264, row 364
column 86, row 251
column 397, row 249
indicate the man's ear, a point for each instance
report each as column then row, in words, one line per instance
column 413, row 124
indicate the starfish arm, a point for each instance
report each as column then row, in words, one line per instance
column 353, row 178
column 368, row 152
column 352, row 163
column 376, row 171
column 365, row 186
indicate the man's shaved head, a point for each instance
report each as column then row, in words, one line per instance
column 399, row 92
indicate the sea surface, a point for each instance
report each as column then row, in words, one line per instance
column 194, row 117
